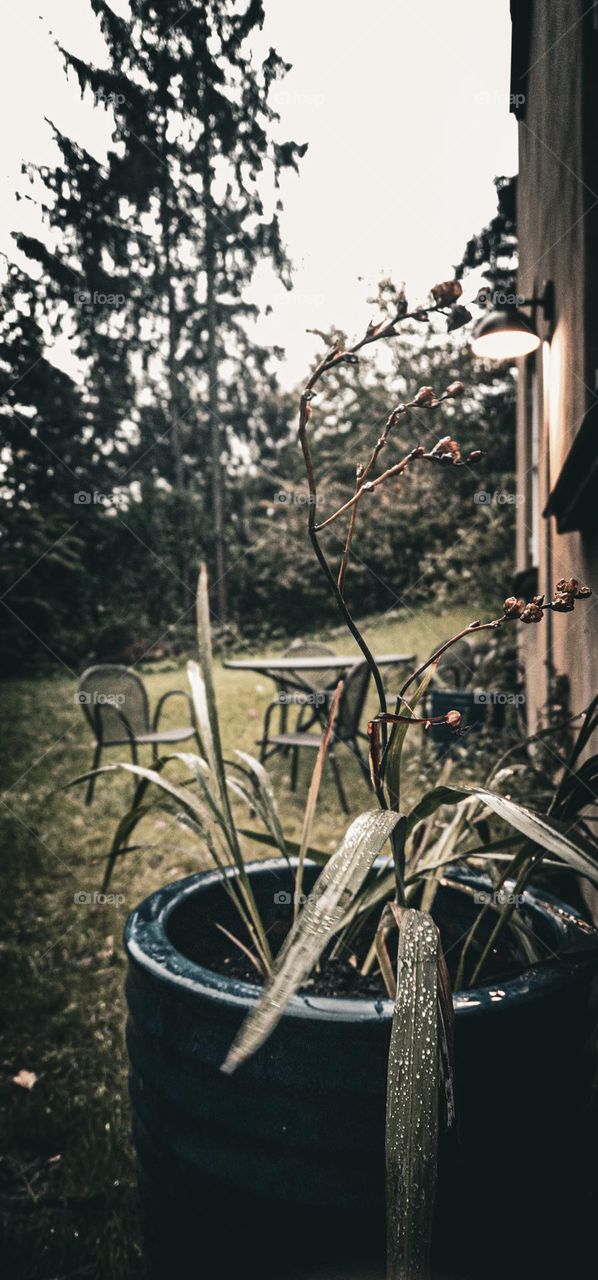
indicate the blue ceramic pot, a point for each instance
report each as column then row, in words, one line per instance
column 278, row 1170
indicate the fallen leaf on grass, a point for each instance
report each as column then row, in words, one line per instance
column 25, row 1079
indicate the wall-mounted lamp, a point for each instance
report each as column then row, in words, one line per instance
column 505, row 333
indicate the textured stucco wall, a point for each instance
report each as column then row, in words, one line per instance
column 558, row 141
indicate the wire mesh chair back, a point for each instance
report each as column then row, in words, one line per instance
column 312, row 649
column 113, row 698
column 352, row 701
column 464, row 666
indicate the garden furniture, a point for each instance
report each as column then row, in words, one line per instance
column 115, row 704
column 346, row 730
column 321, row 684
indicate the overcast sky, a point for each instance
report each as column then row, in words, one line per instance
column 405, row 108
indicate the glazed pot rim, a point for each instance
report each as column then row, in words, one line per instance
column 148, row 945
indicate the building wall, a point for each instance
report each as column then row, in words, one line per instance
column 558, row 139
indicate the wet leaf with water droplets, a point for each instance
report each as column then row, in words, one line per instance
column 412, row 1101
column 323, row 914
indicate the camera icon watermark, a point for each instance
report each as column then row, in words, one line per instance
column 493, row 697
column 295, row 98
column 499, row 298
column 294, row 299
column 499, row 498
column 285, row 698
column 95, row 699
column 88, row 299
column 88, row 498
column 83, row 899
column 103, row 99
column 294, row 497
column 284, row 899
column 498, row 898
column 497, row 97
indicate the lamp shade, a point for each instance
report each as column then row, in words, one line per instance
column 504, row 334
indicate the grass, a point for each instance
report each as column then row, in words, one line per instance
column 67, row 1178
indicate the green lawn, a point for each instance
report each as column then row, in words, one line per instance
column 67, row 1178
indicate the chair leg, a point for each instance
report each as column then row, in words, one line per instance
column 337, row 778
column 134, row 758
column 355, row 747
column 294, row 768
column 92, row 782
column 264, row 740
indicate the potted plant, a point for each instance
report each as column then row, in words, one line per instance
column 268, row 1074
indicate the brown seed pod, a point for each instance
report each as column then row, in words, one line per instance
column 563, row 602
column 425, row 395
column 569, row 585
column 531, row 613
column 447, row 292
column 457, row 317
column 513, row 607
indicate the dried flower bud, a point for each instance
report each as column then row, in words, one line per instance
column 537, row 599
column 475, row 455
column 420, row 314
column 455, row 389
column 457, row 317
column 417, row 452
column 583, row 592
column 531, row 613
column 513, row 607
column 563, row 602
column 569, row 585
column 446, row 293
column 425, row 395
column 453, row 719
column 447, row 450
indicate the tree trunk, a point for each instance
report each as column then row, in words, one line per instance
column 216, row 434
column 175, row 433
column 182, row 513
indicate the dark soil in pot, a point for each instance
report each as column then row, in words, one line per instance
column 209, row 947
column 278, row 1171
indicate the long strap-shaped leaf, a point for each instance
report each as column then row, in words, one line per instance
column 265, row 791
column 201, row 680
column 392, row 759
column 547, row 832
column 412, row 1102
column 323, row 913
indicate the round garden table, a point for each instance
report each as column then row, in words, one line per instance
column 289, row 671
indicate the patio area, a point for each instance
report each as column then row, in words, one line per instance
column 68, row 1172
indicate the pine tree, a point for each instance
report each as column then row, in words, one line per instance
column 46, row 463
column 156, row 247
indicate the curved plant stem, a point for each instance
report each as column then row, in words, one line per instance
column 442, row 648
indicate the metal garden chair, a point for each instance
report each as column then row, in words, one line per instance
column 114, row 701
column 321, row 682
column 468, row 668
column 346, row 731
